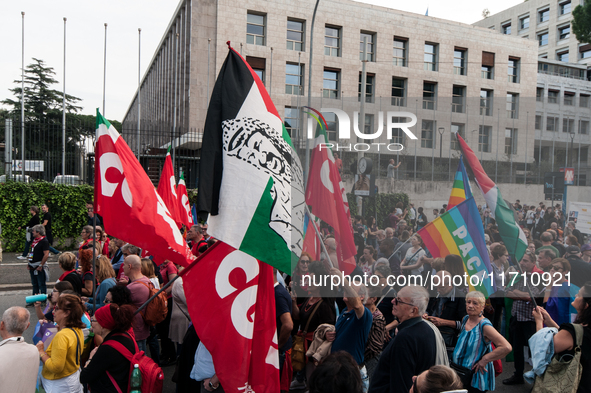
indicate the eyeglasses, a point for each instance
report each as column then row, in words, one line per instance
column 92, row 320
column 304, row 260
column 557, row 268
column 396, row 301
column 414, row 385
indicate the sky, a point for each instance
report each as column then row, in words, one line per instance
column 85, row 37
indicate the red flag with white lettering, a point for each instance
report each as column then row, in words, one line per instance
column 231, row 300
column 167, row 189
column 183, row 203
column 125, row 197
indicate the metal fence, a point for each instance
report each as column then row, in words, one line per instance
column 45, row 157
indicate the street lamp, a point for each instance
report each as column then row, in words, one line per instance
column 441, row 130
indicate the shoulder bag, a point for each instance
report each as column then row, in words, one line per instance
column 563, row 374
column 298, row 348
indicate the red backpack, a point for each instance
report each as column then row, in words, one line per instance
column 152, row 375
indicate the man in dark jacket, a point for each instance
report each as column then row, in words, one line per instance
column 447, row 310
column 412, row 350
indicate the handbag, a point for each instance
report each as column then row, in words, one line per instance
column 298, row 348
column 562, row 374
column 464, row 373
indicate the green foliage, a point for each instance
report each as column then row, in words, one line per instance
column 41, row 101
column 581, row 23
column 192, row 194
column 384, row 203
column 67, row 205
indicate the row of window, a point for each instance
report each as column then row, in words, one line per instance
column 256, row 34
column 568, row 99
column 543, row 15
column 568, row 125
column 428, row 132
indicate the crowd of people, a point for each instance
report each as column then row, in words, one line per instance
column 349, row 338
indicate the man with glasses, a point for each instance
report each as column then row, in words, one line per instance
column 413, row 350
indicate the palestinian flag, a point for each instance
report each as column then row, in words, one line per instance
column 513, row 237
column 461, row 187
column 250, row 178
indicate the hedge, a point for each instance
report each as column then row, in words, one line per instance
column 67, row 205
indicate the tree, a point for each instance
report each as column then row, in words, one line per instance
column 581, row 23
column 41, row 101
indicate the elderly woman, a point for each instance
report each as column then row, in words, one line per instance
column 557, row 295
column 106, row 365
column 473, row 349
column 38, row 259
column 86, row 235
column 437, row 379
column 105, row 275
column 67, row 262
column 565, row 339
column 61, row 360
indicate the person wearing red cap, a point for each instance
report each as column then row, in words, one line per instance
column 106, row 365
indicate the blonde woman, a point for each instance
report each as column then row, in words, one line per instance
column 473, row 350
column 148, row 271
column 105, row 275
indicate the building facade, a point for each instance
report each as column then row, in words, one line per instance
column 452, row 76
column 563, row 91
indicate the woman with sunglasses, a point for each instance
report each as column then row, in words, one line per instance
column 473, row 350
column 61, row 360
column 107, row 370
column 437, row 379
column 565, row 339
column 557, row 294
column 297, row 285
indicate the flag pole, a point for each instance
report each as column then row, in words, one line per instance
column 94, row 258
column 23, row 100
column 182, row 273
column 64, row 109
column 105, row 70
column 318, row 235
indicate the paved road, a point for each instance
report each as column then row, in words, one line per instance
column 14, row 273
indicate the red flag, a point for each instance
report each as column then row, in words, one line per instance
column 167, row 189
column 125, row 197
column 184, row 207
column 327, row 197
column 231, row 300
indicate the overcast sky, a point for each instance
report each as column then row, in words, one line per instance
column 44, row 39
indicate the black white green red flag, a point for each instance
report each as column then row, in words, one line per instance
column 250, row 178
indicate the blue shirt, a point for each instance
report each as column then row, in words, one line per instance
column 282, row 306
column 352, row 334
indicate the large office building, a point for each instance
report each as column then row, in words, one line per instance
column 453, row 76
column 563, row 90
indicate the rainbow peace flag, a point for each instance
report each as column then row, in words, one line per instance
column 459, row 231
column 461, row 188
